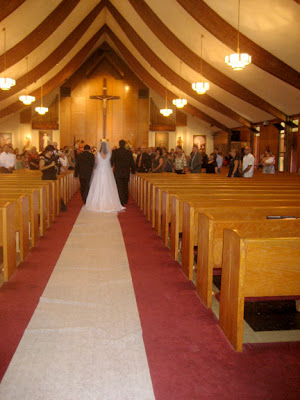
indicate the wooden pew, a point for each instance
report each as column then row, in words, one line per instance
column 43, row 201
column 33, row 209
column 21, row 222
column 251, row 223
column 8, row 239
column 255, row 267
column 185, row 219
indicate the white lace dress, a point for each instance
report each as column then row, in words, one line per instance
column 103, row 194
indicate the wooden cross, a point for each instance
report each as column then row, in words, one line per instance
column 105, row 98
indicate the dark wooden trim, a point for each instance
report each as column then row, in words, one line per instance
column 9, row 6
column 227, row 34
column 59, row 78
column 41, row 33
column 56, row 56
column 164, row 128
column 193, row 60
column 45, row 125
column 168, row 73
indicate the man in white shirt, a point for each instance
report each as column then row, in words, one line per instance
column 248, row 163
column 7, row 160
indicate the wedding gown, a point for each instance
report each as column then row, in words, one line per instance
column 103, row 194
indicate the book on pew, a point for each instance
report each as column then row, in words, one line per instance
column 281, row 217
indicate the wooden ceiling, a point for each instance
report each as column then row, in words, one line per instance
column 158, row 39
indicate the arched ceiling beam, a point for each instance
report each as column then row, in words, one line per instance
column 56, row 56
column 168, row 73
column 227, row 34
column 59, row 78
column 74, row 64
column 193, row 60
column 155, row 85
column 41, row 33
column 9, row 6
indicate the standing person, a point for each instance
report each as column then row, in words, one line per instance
column 143, row 161
column 169, row 163
column 103, row 194
column 34, row 159
column 212, row 166
column 219, row 159
column 204, row 159
column 47, row 164
column 234, row 164
column 248, row 163
column 180, row 163
column 84, row 168
column 268, row 163
column 196, row 160
column 123, row 163
column 63, row 160
column 7, row 161
column 158, row 161
column 71, row 158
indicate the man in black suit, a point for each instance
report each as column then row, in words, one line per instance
column 84, row 168
column 143, row 161
column 123, row 163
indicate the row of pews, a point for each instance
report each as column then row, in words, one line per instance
column 28, row 206
column 224, row 222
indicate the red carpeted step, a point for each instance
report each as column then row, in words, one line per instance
column 20, row 296
column 188, row 355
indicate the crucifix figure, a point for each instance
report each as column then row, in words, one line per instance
column 105, row 98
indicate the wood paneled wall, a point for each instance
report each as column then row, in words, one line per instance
column 82, row 117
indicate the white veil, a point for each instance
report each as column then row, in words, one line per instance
column 104, row 149
column 103, row 194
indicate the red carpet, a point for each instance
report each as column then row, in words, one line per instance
column 188, row 355
column 19, row 297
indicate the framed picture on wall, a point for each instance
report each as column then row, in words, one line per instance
column 45, row 138
column 5, row 138
column 162, row 139
column 200, row 141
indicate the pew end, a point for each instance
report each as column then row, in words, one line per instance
column 255, row 267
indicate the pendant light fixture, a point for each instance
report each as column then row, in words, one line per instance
column 166, row 112
column 41, row 110
column 180, row 102
column 202, row 86
column 238, row 61
column 5, row 82
column 26, row 98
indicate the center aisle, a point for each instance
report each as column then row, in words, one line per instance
column 84, row 340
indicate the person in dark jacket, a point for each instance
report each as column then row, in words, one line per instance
column 123, row 163
column 196, row 160
column 84, row 167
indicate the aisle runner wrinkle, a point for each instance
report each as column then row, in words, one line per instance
column 84, row 340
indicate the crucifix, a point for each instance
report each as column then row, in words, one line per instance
column 105, row 98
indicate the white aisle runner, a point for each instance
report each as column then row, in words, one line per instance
column 84, row 341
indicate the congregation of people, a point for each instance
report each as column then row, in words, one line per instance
column 52, row 161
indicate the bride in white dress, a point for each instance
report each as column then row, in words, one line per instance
column 103, row 194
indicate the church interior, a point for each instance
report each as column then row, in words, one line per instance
column 116, row 306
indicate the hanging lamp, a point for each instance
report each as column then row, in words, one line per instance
column 26, row 98
column 166, row 112
column 202, row 86
column 41, row 110
column 180, row 102
column 5, row 82
column 238, row 61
